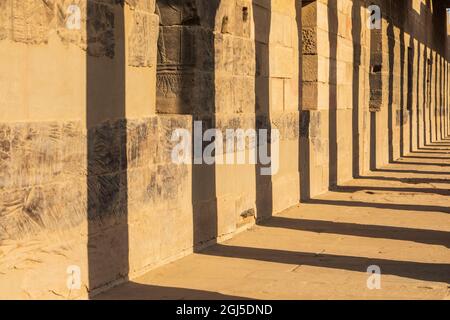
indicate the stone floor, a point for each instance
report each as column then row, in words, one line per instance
column 397, row 218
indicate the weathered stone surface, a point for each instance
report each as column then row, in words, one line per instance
column 32, row 20
column 32, row 153
column 43, row 185
column 67, row 35
column 243, row 122
column 100, row 24
column 244, row 53
column 30, row 211
column 242, row 19
column 142, row 5
column 67, row 194
column 224, row 55
column 188, row 53
column 141, row 41
column 177, row 56
column 143, row 142
column 167, row 125
column 4, row 18
column 143, row 188
column 309, row 41
column 288, row 125
column 105, row 148
column 177, row 12
column 243, row 102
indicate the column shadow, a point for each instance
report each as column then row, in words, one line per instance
column 393, row 206
column 263, row 183
column 432, row 237
column 391, row 61
column 204, row 193
column 402, row 108
column 352, row 189
column 418, row 109
column 437, row 272
column 107, row 194
column 440, row 173
column 415, row 156
column 356, row 36
column 407, row 180
column 304, row 146
column 333, row 25
column 137, row 291
column 423, row 164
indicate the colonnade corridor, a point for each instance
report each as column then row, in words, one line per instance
column 396, row 218
column 224, row 149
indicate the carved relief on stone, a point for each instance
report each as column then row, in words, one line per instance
column 42, row 166
column 175, row 42
column 142, row 40
column 32, row 20
column 176, row 55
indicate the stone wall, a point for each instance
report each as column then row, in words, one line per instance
column 335, row 89
column 87, row 178
column 414, row 78
column 368, row 95
column 88, row 114
column 77, row 131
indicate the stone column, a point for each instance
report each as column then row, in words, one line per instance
column 315, row 88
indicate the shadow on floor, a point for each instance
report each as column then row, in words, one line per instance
column 432, row 237
column 423, row 164
column 433, row 152
column 351, row 189
column 387, row 206
column 437, row 272
column 136, row 291
column 407, row 180
column 440, row 150
column 413, row 171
